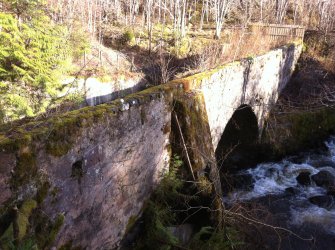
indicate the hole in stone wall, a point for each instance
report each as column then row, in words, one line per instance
column 77, row 169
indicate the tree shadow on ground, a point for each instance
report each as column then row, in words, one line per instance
column 153, row 63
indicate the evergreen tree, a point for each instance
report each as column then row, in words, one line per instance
column 33, row 56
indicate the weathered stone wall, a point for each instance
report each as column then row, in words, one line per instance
column 116, row 156
column 98, row 165
column 122, row 161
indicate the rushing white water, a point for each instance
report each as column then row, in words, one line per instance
column 275, row 179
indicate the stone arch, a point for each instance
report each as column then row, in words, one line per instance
column 235, row 149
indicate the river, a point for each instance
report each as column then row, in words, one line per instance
column 299, row 192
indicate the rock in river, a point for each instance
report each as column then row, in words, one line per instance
column 324, row 201
column 324, row 179
column 304, row 178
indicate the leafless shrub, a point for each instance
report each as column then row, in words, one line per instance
column 240, row 43
column 161, row 68
column 164, row 64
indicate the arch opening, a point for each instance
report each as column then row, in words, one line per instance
column 237, row 146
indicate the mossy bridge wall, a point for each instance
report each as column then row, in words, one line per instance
column 98, row 165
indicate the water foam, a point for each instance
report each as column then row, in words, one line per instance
column 274, row 179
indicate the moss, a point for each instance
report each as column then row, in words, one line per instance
column 18, row 228
column 155, row 233
column 65, row 129
column 41, row 225
column 131, row 222
column 195, row 81
column 46, row 230
column 25, row 169
column 27, row 207
column 62, row 138
column 299, row 131
column 306, row 127
column 150, row 94
column 42, row 192
column 23, row 216
column 54, row 191
column 28, row 244
column 11, row 143
column 194, row 122
column 205, row 186
column 59, row 133
column 4, row 140
column 7, row 239
column 57, row 225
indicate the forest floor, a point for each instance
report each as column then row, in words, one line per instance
column 312, row 86
column 167, row 55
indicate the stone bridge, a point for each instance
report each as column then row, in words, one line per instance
column 95, row 167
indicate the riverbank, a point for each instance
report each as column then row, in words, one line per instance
column 304, row 115
column 301, row 120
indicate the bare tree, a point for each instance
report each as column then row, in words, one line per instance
column 281, row 8
column 204, row 11
column 312, row 13
column 149, row 23
column 221, row 9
